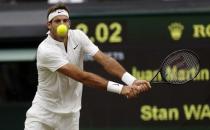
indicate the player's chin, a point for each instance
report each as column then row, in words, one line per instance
column 61, row 37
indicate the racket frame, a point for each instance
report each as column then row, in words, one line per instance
column 161, row 72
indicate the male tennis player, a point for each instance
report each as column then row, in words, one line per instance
column 57, row 103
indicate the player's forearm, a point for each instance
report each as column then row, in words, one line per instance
column 93, row 80
column 109, row 64
column 114, row 68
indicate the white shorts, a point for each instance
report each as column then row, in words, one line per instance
column 38, row 118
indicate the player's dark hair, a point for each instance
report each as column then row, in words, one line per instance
column 56, row 7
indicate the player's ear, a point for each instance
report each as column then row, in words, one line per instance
column 49, row 25
column 69, row 26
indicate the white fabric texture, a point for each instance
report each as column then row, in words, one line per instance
column 127, row 78
column 39, row 118
column 58, row 13
column 114, row 87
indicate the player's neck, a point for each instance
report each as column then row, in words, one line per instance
column 60, row 39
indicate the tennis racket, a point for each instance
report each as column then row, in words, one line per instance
column 179, row 67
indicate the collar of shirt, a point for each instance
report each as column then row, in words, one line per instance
column 61, row 44
column 55, row 41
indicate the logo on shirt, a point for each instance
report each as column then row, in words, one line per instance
column 75, row 47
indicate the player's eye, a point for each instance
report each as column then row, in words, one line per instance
column 65, row 20
column 57, row 21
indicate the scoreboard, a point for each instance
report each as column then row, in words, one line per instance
column 140, row 43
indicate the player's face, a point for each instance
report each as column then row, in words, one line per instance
column 52, row 25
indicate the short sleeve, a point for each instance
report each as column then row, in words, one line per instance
column 51, row 59
column 88, row 46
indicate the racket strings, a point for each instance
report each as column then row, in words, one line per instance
column 180, row 67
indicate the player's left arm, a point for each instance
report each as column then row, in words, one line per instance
column 112, row 66
column 115, row 68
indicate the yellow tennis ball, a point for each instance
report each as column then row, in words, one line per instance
column 62, row 30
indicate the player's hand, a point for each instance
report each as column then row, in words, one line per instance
column 142, row 85
column 130, row 91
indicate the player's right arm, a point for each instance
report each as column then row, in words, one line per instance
column 93, row 80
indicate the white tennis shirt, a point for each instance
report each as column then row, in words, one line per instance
column 57, row 92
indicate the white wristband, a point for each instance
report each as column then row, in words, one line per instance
column 114, row 87
column 128, row 78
